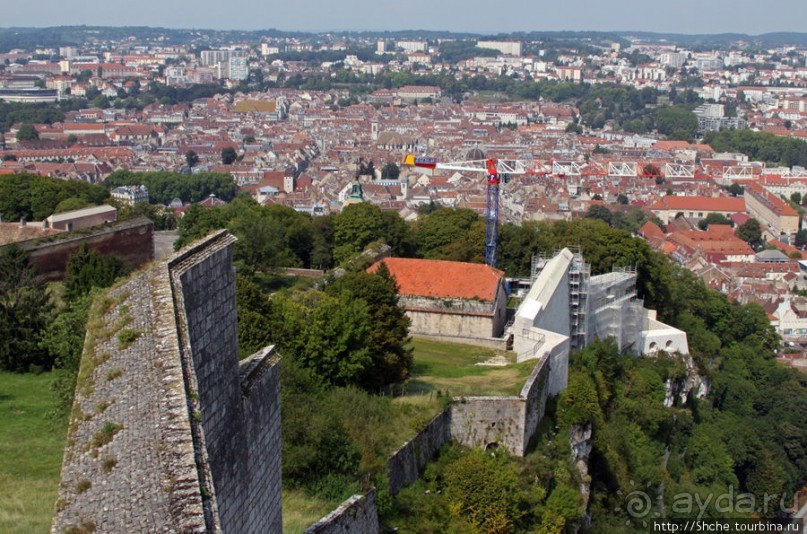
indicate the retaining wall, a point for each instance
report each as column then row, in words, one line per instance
column 406, row 464
column 357, row 515
column 130, row 240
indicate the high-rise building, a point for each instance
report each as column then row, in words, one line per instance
column 512, row 48
column 239, row 68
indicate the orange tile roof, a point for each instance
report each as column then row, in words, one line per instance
column 443, row 279
column 711, row 243
column 772, row 202
column 702, row 204
column 671, row 145
column 651, row 229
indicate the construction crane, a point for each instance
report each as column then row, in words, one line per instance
column 496, row 171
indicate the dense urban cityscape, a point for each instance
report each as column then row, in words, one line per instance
column 375, row 205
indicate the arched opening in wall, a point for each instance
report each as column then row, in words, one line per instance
column 668, row 345
column 652, row 345
column 493, row 445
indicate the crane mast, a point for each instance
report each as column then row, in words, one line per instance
column 495, row 169
column 492, row 213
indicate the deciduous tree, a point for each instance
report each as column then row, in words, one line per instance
column 25, row 310
column 228, row 155
column 27, row 132
column 191, row 158
column 750, row 232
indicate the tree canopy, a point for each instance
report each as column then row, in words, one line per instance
column 88, row 268
column 389, row 325
column 228, row 155
column 676, row 122
column 390, row 171
column 750, row 232
column 37, row 197
column 165, row 186
column 25, row 308
column 760, row 146
column 713, row 218
column 27, row 132
column 191, row 158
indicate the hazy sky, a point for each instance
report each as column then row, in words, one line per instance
column 677, row 16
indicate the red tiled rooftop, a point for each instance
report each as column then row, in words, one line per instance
column 443, row 279
column 701, row 204
column 651, row 230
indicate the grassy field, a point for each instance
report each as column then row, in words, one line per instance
column 300, row 510
column 31, row 444
column 452, row 368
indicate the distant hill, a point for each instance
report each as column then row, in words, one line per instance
column 721, row 40
column 31, row 38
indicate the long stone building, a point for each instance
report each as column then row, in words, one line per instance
column 774, row 214
column 169, row 431
column 450, row 300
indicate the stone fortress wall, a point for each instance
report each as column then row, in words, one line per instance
column 169, row 431
column 483, row 422
column 131, row 240
column 357, row 515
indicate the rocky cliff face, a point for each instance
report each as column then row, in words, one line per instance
column 581, row 445
column 677, row 391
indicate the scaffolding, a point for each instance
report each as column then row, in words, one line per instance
column 579, row 277
column 539, row 261
column 615, row 311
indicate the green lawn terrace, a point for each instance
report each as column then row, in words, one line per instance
column 455, row 370
column 31, row 445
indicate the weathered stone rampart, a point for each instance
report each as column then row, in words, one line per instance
column 482, row 422
column 507, row 422
column 129, row 464
column 405, row 464
column 357, row 515
column 131, row 240
column 168, row 431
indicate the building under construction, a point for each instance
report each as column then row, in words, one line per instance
column 567, row 308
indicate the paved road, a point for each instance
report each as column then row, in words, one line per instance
column 164, row 243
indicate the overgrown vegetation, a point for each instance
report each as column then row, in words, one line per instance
column 345, row 339
column 743, row 438
column 25, row 310
column 475, row 491
column 105, row 435
column 12, row 113
column 88, row 268
column 336, row 439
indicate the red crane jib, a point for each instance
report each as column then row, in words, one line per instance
column 493, row 172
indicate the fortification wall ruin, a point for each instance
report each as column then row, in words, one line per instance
column 507, row 422
column 357, row 515
column 169, row 431
column 405, row 464
column 131, row 240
